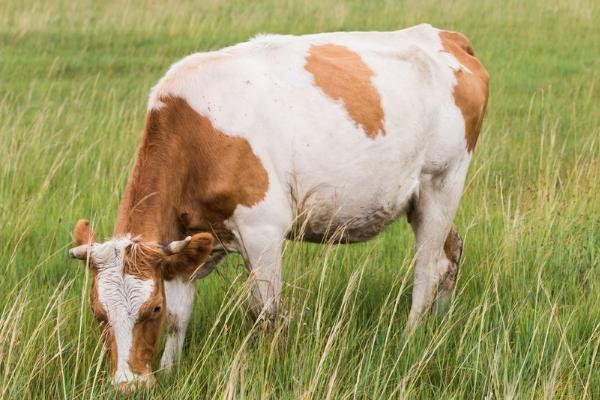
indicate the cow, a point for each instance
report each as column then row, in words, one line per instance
column 325, row 137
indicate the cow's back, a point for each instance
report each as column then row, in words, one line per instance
column 346, row 123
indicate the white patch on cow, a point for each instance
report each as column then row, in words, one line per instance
column 180, row 301
column 121, row 295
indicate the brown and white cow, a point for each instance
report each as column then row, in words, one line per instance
column 320, row 137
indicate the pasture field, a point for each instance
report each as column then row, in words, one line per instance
column 525, row 321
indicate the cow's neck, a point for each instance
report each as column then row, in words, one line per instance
column 187, row 177
column 148, row 206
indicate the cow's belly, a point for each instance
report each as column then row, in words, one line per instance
column 351, row 214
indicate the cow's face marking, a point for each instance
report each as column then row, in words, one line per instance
column 471, row 89
column 127, row 298
column 343, row 75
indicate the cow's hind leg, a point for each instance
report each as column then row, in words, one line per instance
column 431, row 218
column 179, row 294
column 452, row 251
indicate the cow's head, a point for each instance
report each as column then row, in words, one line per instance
column 127, row 295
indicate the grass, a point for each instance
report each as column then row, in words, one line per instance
column 525, row 321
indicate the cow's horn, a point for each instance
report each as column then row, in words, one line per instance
column 177, row 246
column 79, row 252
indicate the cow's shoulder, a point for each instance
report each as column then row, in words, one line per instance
column 182, row 73
column 222, row 169
column 471, row 87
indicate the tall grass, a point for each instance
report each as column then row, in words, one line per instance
column 525, row 321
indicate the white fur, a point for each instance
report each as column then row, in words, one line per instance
column 180, row 299
column 121, row 295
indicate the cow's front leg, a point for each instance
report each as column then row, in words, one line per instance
column 262, row 254
column 179, row 294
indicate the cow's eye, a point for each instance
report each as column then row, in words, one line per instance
column 100, row 317
column 151, row 312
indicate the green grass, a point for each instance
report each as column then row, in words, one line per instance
column 525, row 322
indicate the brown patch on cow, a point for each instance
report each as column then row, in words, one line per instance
column 147, row 261
column 453, row 251
column 151, row 260
column 453, row 246
column 343, row 75
column 471, row 89
column 146, row 337
column 187, row 167
column 146, row 332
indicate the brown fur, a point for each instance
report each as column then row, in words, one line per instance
column 142, row 259
column 146, row 332
column 82, row 234
column 189, row 177
column 453, row 251
column 471, row 90
column 343, row 75
column 106, row 332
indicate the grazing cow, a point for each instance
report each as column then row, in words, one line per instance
column 324, row 137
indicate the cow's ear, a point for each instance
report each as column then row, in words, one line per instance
column 197, row 246
column 82, row 233
column 83, row 236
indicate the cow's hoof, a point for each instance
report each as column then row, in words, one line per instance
column 266, row 322
column 166, row 365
